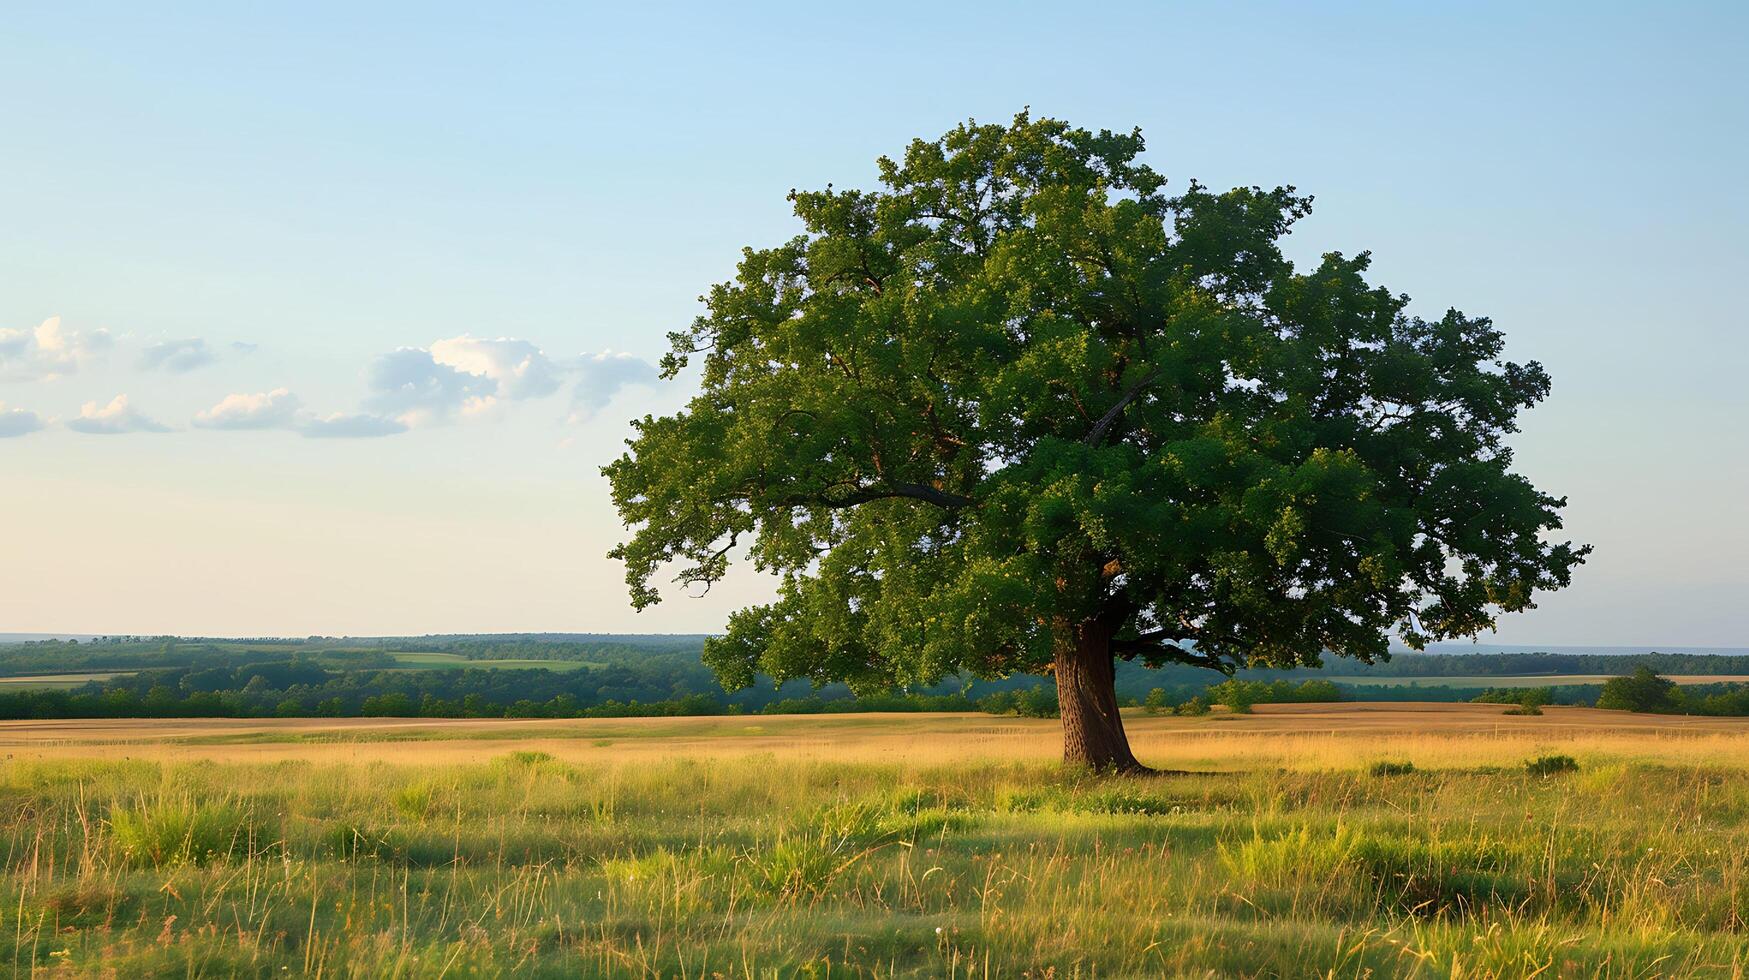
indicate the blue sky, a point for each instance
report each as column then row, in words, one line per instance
column 304, row 206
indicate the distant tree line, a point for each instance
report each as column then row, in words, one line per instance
column 307, row 688
column 1645, row 690
column 58, row 657
column 609, row 648
column 637, row 675
column 1519, row 664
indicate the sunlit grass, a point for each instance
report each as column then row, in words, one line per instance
column 689, row 853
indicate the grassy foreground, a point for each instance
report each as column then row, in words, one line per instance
column 878, row 847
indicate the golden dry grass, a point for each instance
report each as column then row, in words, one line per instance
column 878, row 846
column 1301, row 737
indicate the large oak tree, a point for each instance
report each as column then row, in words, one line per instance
column 1023, row 410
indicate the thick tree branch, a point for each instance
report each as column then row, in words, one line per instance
column 912, row 491
column 1129, row 649
column 1097, row 435
column 856, row 495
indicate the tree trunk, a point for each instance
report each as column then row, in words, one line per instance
column 1093, row 734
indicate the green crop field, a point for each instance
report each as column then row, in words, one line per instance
column 878, row 846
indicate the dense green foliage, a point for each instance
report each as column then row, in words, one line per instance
column 1038, row 701
column 1239, row 695
column 1021, row 398
column 1728, row 700
column 1242, row 694
column 1642, row 690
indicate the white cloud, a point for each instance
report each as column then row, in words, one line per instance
column 280, row 409
column 276, row 409
column 466, row 376
column 18, row 422
column 517, row 367
column 48, row 351
column 112, row 419
column 601, row 376
column 177, row 356
column 410, row 385
column 355, row 426
column 454, row 378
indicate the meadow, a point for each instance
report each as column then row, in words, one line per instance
column 1304, row 840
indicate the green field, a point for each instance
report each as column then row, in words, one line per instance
column 52, row 682
column 455, row 660
column 877, row 846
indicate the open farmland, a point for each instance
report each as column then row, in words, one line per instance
column 877, row 845
column 55, row 682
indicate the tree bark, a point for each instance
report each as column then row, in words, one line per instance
column 1093, row 734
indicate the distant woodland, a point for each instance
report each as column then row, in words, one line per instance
column 580, row 675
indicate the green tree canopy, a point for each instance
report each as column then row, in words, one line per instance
column 1643, row 690
column 1022, row 409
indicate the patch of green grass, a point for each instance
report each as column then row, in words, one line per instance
column 169, row 832
column 416, row 801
